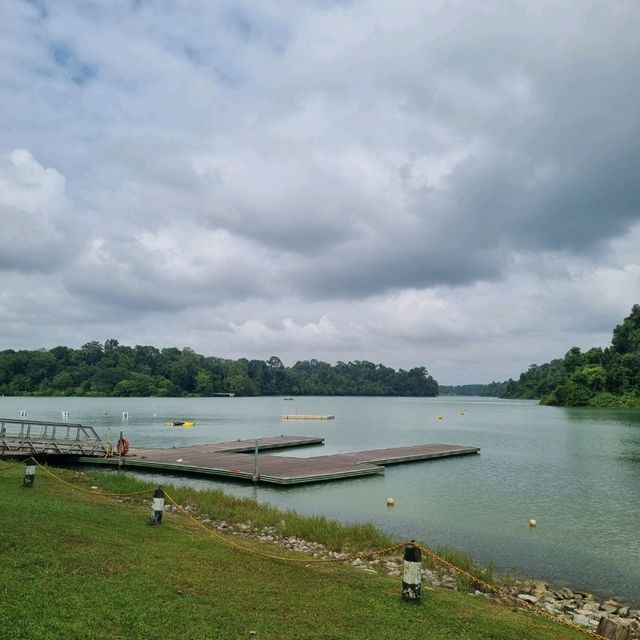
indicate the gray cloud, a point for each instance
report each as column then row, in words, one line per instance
column 322, row 178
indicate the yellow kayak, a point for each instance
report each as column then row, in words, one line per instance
column 181, row 423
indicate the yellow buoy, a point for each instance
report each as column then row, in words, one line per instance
column 533, row 523
column 390, row 502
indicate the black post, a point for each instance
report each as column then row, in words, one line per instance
column 412, row 574
column 157, row 507
column 29, row 472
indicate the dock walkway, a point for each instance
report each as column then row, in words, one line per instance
column 79, row 443
column 230, row 459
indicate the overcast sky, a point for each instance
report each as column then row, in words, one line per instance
column 450, row 184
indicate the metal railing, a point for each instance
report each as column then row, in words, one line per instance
column 62, row 438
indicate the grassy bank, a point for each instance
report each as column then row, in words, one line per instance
column 76, row 565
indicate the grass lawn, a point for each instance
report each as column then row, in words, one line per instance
column 81, row 566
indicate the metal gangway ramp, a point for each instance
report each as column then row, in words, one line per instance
column 29, row 437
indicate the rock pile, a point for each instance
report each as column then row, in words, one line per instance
column 610, row 619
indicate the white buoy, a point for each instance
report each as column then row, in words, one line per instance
column 390, row 502
column 533, row 523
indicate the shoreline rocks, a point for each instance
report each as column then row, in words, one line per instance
column 609, row 618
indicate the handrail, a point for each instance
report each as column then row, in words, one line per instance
column 39, row 436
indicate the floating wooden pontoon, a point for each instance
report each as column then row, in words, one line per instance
column 79, row 443
column 307, row 417
column 232, row 460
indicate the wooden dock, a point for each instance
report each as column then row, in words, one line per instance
column 231, row 460
column 302, row 416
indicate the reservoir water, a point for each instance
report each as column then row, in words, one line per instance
column 576, row 471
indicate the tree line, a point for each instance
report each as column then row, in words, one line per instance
column 608, row 377
column 493, row 389
column 112, row 369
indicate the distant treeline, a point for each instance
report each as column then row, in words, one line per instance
column 493, row 389
column 111, row 369
column 599, row 377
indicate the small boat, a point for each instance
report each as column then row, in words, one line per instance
column 288, row 398
column 180, row 423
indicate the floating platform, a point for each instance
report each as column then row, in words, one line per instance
column 307, row 417
column 231, row 460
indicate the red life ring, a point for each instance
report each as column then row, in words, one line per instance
column 122, row 446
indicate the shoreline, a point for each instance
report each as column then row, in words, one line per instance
column 603, row 616
column 369, row 550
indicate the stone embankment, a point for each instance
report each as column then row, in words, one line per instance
column 608, row 618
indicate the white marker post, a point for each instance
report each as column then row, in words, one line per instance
column 412, row 574
column 157, row 507
column 29, row 472
column 65, row 415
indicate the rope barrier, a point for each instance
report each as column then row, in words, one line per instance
column 522, row 603
column 12, row 466
column 381, row 552
column 343, row 558
column 250, row 550
column 94, row 492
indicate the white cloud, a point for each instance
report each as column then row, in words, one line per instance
column 34, row 213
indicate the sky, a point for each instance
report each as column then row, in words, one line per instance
column 452, row 184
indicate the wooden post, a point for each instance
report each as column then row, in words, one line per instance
column 121, row 447
column 256, row 469
column 412, row 574
column 29, row 472
column 157, row 506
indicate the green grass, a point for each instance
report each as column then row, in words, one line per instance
column 222, row 506
column 81, row 566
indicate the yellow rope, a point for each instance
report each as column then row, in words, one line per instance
column 386, row 550
column 489, row 587
column 94, row 492
column 11, row 466
column 343, row 558
column 244, row 548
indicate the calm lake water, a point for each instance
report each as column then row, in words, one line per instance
column 576, row 471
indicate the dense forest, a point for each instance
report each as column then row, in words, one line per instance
column 493, row 389
column 598, row 377
column 111, row 369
